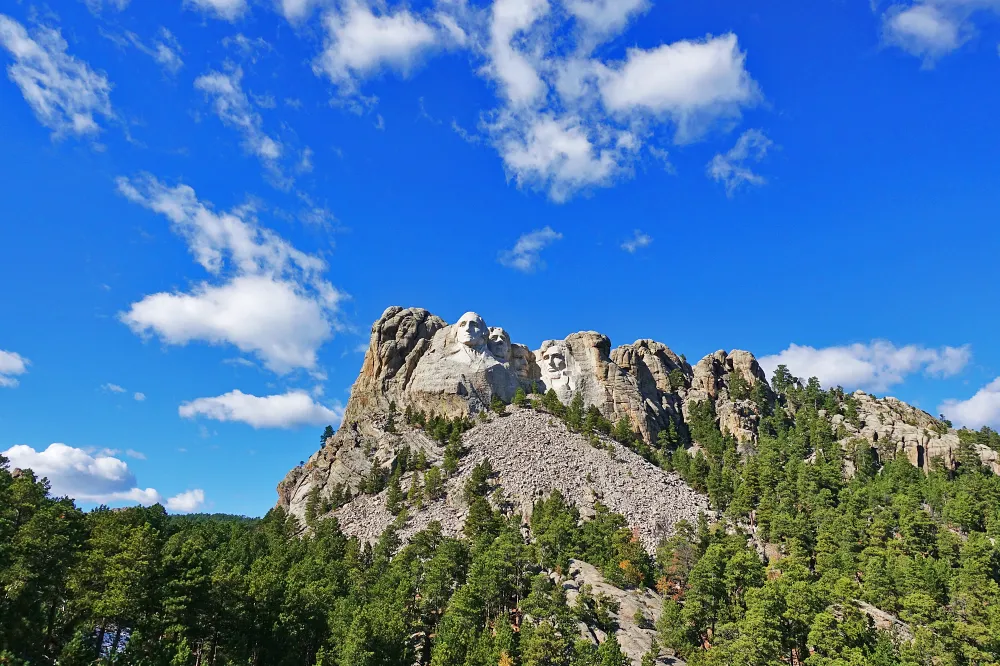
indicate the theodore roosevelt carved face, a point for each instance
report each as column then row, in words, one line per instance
column 471, row 331
column 499, row 344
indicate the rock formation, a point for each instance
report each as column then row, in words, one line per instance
column 416, row 360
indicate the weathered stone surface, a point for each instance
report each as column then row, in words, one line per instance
column 635, row 639
column 710, row 381
column 533, row 454
column 398, row 339
column 650, row 363
column 581, row 363
column 892, row 426
column 458, row 375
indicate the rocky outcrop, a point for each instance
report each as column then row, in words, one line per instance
column 892, row 426
column 711, row 380
column 651, row 364
column 635, row 637
column 398, row 340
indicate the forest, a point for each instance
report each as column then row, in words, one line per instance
column 800, row 561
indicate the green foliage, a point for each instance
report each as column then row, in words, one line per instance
column 519, row 397
column 136, row 586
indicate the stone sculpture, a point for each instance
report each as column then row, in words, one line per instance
column 499, row 344
column 465, row 366
column 553, row 361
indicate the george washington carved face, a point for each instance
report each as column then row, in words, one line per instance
column 471, row 331
column 499, row 344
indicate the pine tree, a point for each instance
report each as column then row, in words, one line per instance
column 415, row 495
column 394, row 496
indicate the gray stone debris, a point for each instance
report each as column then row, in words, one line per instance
column 532, row 454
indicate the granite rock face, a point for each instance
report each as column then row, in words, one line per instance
column 892, row 426
column 417, row 360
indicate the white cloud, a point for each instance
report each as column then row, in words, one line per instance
column 514, row 70
column 568, row 122
column 731, row 168
column 64, row 92
column 272, row 301
column 605, row 16
column 638, row 241
column 922, row 30
column 874, row 367
column 187, row 502
column 296, row 10
column 360, row 43
column 286, row 410
column 113, row 388
column 12, row 364
column 930, row 29
column 137, row 455
column 271, row 318
column 139, row 397
column 86, row 477
column 562, row 155
column 693, row 83
column 525, row 256
column 982, row 409
column 228, row 10
column 165, row 50
column 564, row 121
column 233, row 107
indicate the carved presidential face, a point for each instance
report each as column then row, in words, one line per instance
column 499, row 344
column 553, row 360
column 471, row 331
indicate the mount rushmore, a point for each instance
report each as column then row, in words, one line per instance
column 416, row 361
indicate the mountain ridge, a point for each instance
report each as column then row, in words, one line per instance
column 417, row 363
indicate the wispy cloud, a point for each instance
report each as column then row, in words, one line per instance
column 66, row 95
column 638, row 241
column 732, row 168
column 525, row 256
column 266, row 297
column 12, row 365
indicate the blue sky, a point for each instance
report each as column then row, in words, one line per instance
column 207, row 202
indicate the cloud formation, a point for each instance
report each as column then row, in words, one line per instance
column 565, row 120
column 230, row 103
column 360, row 43
column 227, row 10
column 165, row 50
column 266, row 298
column 931, row 29
column 731, row 168
column 982, row 409
column 99, row 478
column 287, row 410
column 12, row 365
column 526, row 256
column 66, row 95
column 638, row 241
column 873, row 367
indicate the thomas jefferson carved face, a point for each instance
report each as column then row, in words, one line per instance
column 471, row 331
column 499, row 344
column 553, row 360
